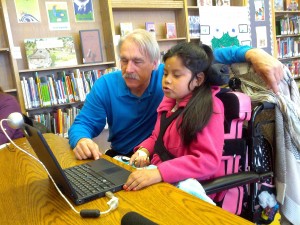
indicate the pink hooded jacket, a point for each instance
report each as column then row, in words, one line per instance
column 201, row 159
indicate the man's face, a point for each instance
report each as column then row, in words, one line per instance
column 136, row 67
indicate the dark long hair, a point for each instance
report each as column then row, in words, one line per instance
column 199, row 109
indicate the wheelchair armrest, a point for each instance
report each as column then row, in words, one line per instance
column 233, row 180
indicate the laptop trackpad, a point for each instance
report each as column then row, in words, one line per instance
column 109, row 170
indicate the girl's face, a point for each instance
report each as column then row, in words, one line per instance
column 176, row 79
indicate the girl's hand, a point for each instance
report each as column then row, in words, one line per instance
column 140, row 158
column 142, row 178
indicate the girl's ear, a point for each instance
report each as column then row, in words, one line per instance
column 200, row 78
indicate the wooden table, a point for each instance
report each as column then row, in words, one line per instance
column 29, row 197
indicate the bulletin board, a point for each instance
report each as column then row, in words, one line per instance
column 261, row 25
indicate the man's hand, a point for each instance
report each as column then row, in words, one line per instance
column 142, row 178
column 86, row 149
column 268, row 67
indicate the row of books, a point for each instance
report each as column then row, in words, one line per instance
column 294, row 67
column 288, row 47
column 59, row 121
column 60, row 88
column 288, row 25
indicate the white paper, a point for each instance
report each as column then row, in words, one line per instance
column 224, row 25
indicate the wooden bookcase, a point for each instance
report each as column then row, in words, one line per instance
column 108, row 15
column 9, row 77
column 289, row 38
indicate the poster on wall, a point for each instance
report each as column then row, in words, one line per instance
column 259, row 6
column 220, row 28
column 83, row 10
column 28, row 11
column 260, row 25
column 261, row 37
column 58, row 16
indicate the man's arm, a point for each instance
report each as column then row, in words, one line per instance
column 268, row 67
column 229, row 55
column 88, row 124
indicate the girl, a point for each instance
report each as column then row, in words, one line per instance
column 188, row 137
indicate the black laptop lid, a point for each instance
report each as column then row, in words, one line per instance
column 45, row 155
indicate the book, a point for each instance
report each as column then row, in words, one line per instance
column 50, row 52
column 291, row 5
column 125, row 28
column 90, row 46
column 204, row 3
column 219, row 3
column 171, row 30
column 150, row 26
column 194, row 26
column 226, row 2
column 278, row 5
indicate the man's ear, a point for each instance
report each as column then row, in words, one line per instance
column 200, row 78
column 155, row 64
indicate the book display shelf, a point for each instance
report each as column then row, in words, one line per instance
column 287, row 34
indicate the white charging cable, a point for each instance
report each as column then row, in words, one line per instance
column 113, row 202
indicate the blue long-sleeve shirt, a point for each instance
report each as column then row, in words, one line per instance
column 229, row 55
column 130, row 118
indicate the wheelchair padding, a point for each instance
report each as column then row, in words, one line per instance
column 237, row 109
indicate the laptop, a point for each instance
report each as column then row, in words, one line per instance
column 81, row 183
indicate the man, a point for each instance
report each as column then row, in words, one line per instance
column 128, row 98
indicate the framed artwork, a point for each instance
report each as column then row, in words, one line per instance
column 243, row 28
column 204, row 30
column 91, row 46
column 246, row 42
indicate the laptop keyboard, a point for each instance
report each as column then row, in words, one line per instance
column 85, row 181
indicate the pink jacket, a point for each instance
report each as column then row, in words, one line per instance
column 202, row 158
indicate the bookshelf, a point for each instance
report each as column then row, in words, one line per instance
column 15, row 70
column 157, row 11
column 287, row 38
column 108, row 14
column 9, row 74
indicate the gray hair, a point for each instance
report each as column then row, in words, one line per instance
column 145, row 41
